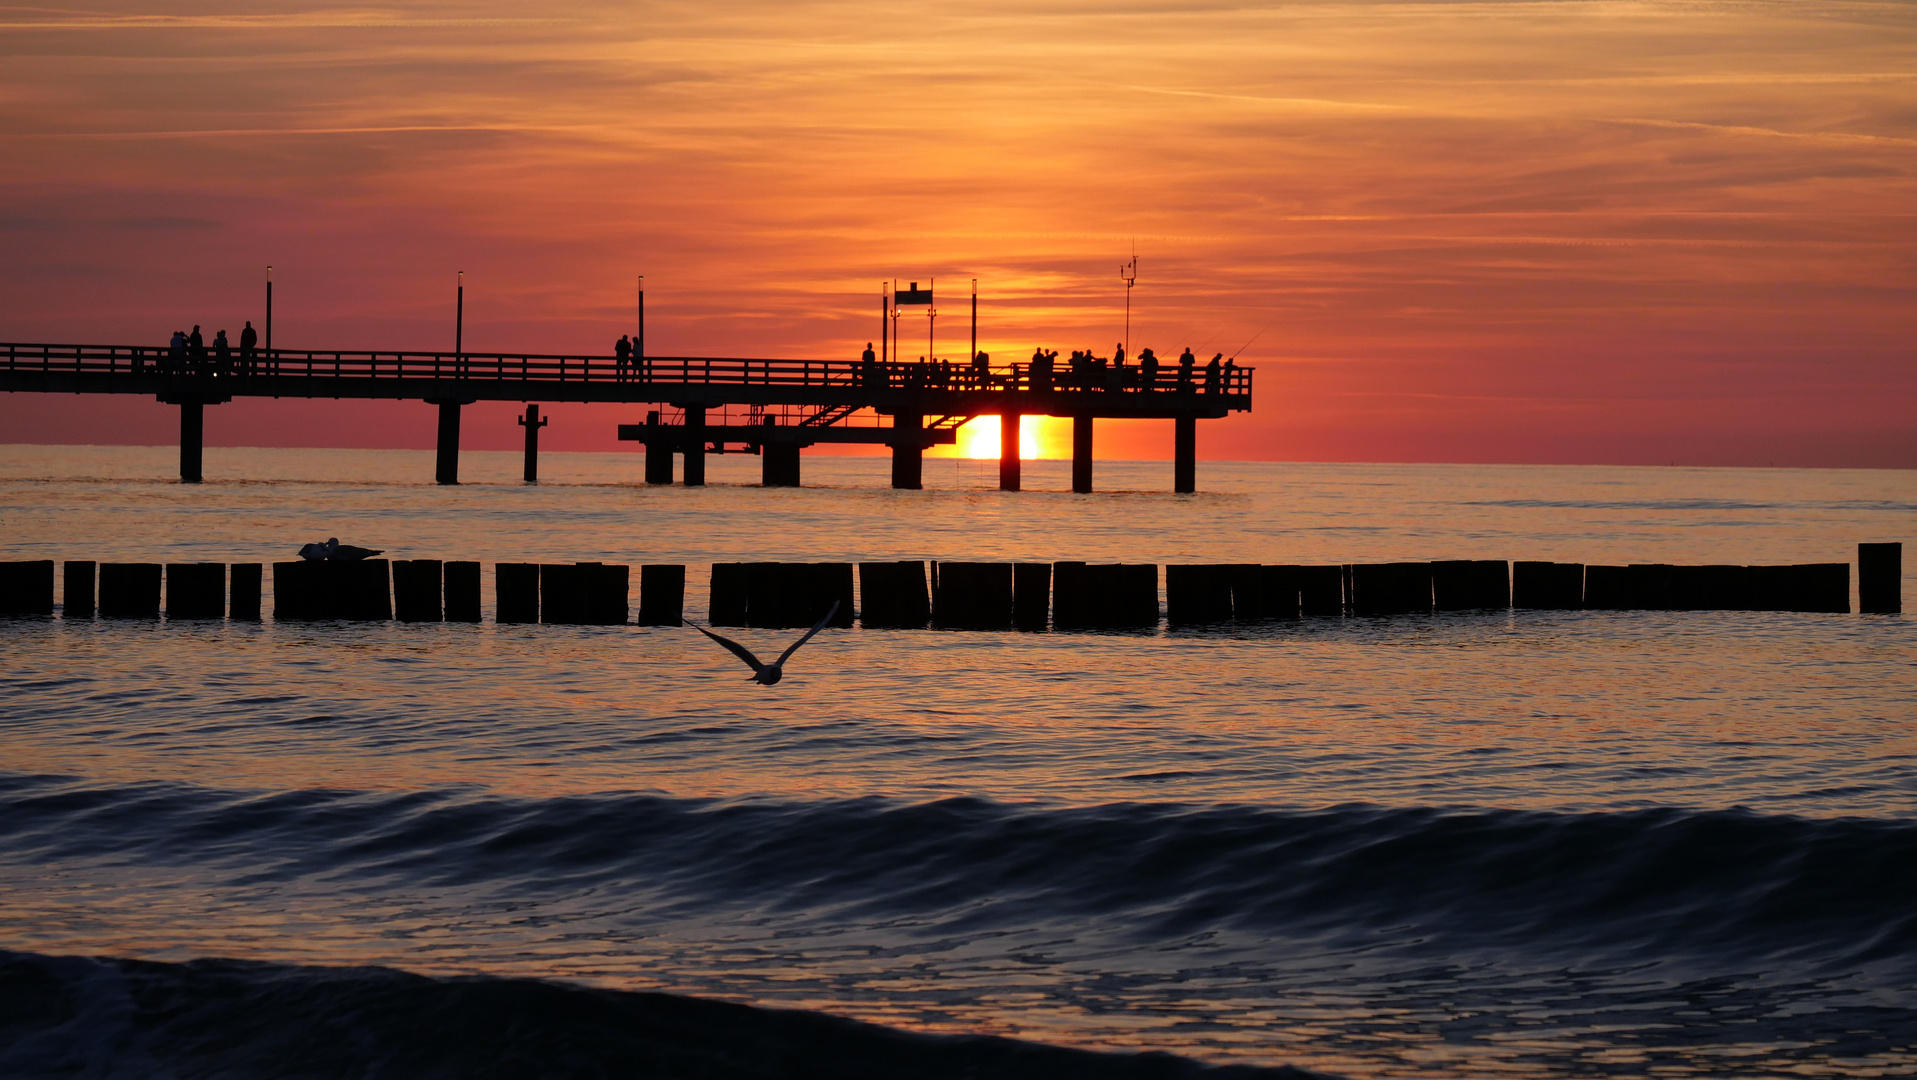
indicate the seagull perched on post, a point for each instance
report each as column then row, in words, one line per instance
column 767, row 674
column 336, row 551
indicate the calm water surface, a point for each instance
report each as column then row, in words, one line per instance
column 1535, row 843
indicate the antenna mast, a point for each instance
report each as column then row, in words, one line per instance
column 1128, row 273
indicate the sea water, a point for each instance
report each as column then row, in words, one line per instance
column 1534, row 843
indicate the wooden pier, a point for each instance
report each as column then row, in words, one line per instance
column 773, row 408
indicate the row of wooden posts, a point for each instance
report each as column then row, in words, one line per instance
column 957, row 595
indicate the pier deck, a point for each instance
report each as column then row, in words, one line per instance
column 790, row 403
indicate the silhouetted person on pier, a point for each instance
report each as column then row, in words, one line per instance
column 1231, row 369
column 981, row 370
column 1211, row 375
column 622, row 356
column 1147, row 370
column 1118, row 354
column 1185, row 361
column 222, row 354
column 249, row 347
column 195, row 351
column 869, row 372
column 1041, row 370
column 176, row 352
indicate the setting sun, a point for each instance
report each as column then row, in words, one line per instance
column 979, row 438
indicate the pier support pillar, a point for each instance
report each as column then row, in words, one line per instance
column 532, row 422
column 658, row 462
column 1185, row 454
column 1008, row 463
column 779, row 464
column 192, row 435
column 658, row 452
column 695, row 446
column 446, row 468
column 908, row 460
column 1082, row 454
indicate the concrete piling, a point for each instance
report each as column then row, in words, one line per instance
column 365, row 589
column 243, row 592
column 1031, row 596
column 461, row 584
column 76, row 595
column 26, row 588
column 1185, row 454
column 192, row 436
column 446, row 461
column 1260, row 593
column 908, row 457
column 532, row 422
column 971, row 596
column 130, row 590
column 894, row 595
column 1808, row 587
column 1072, row 607
column 1087, row 596
column 1547, row 586
column 658, row 453
column 291, row 587
column 1605, row 589
column 1710, row 588
column 516, row 592
column 1009, row 477
column 779, row 465
column 1390, row 588
column 727, row 606
column 1880, row 578
column 1197, row 595
column 359, row 590
column 417, row 590
column 694, row 447
column 562, row 594
column 1471, row 585
column 609, row 594
column 662, row 595
column 792, row 595
column 195, row 591
column 1082, row 454
column 1321, row 591
column 1649, row 586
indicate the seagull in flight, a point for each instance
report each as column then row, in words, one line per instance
column 767, row 674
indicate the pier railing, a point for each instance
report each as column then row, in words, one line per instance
column 236, row 367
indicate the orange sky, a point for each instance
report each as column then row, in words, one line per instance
column 1555, row 232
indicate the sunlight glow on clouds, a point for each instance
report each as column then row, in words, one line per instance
column 1488, row 231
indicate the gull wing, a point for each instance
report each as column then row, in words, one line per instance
column 733, row 647
column 816, row 627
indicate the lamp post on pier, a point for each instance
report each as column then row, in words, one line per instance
column 459, row 327
column 973, row 357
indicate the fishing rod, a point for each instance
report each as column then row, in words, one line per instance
column 1254, row 337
